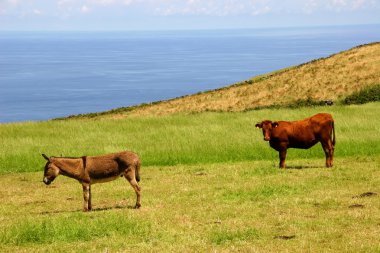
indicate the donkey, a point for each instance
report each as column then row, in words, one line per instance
column 89, row 170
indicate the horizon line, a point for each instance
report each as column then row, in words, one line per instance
column 191, row 29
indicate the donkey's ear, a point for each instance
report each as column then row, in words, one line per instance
column 259, row 125
column 47, row 158
column 274, row 124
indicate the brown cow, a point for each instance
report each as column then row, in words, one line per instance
column 89, row 170
column 301, row 134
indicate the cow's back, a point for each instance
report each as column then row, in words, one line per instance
column 321, row 123
column 303, row 133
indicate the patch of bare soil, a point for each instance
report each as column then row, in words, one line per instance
column 366, row 194
column 285, row 237
column 356, row 206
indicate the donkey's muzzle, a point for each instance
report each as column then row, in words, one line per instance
column 46, row 181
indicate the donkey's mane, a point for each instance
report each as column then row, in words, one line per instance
column 84, row 158
column 66, row 157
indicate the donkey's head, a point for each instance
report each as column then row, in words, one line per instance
column 51, row 171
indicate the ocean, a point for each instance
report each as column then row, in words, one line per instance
column 44, row 75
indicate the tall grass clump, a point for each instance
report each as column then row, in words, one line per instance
column 225, row 236
column 369, row 94
column 264, row 192
column 76, row 227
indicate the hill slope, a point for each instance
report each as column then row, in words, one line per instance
column 331, row 78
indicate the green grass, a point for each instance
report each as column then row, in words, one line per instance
column 80, row 228
column 245, row 206
column 209, row 184
column 225, row 236
column 182, row 139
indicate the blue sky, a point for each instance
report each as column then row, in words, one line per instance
column 185, row 14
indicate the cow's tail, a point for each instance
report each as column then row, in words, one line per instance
column 137, row 171
column 333, row 132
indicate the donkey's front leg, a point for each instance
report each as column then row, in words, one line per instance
column 86, row 197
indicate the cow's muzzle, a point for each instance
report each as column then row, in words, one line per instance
column 266, row 138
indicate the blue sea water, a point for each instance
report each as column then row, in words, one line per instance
column 44, row 75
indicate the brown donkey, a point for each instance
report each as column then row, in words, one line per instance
column 89, row 170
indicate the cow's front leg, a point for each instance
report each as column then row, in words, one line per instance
column 86, row 197
column 89, row 198
column 282, row 155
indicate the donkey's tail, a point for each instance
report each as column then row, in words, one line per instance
column 137, row 171
column 333, row 132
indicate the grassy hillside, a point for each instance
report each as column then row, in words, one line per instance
column 332, row 78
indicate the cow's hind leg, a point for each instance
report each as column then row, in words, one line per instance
column 129, row 174
column 328, row 148
column 331, row 148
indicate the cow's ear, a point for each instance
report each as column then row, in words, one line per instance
column 46, row 158
column 259, row 125
column 274, row 124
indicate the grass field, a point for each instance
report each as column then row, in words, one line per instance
column 183, row 139
column 210, row 183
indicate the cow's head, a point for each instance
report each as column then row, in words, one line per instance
column 267, row 127
column 51, row 171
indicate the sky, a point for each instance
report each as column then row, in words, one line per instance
column 90, row 15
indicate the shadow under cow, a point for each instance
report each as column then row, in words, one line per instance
column 302, row 167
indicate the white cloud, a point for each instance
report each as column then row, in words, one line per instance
column 128, row 2
column 310, row 6
column 349, row 5
column 12, row 2
column 84, row 9
column 102, row 2
column 262, row 11
column 211, row 7
column 178, row 8
column 341, row 3
column 358, row 4
column 37, row 12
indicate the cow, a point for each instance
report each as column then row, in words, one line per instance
column 89, row 170
column 301, row 134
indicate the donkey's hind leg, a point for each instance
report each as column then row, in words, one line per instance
column 86, row 197
column 129, row 174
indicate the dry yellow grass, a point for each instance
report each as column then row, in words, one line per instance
column 333, row 77
column 237, row 207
